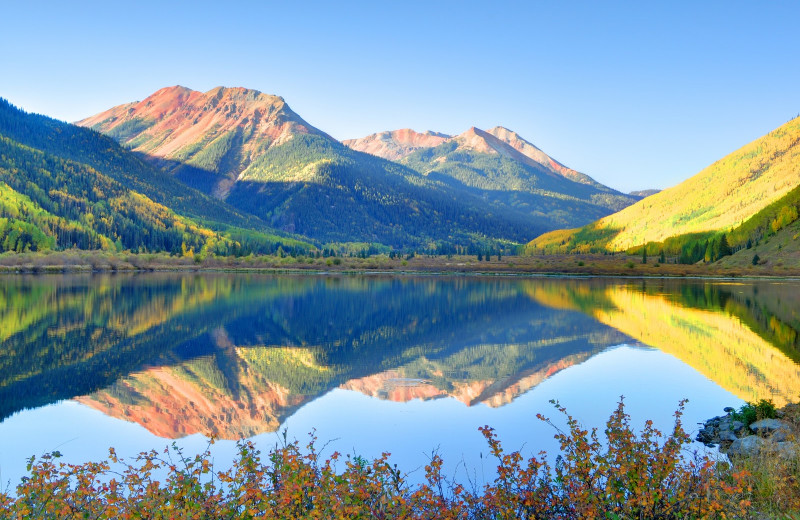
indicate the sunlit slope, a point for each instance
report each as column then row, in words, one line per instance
column 716, row 343
column 718, row 198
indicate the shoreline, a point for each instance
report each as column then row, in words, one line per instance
column 89, row 270
column 573, row 266
column 577, row 266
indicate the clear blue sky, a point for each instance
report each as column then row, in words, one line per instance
column 636, row 94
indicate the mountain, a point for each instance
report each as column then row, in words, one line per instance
column 63, row 186
column 399, row 144
column 220, row 132
column 251, row 150
column 503, row 169
column 768, row 241
column 509, row 172
column 396, row 144
column 721, row 198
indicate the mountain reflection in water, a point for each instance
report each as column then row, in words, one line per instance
column 235, row 355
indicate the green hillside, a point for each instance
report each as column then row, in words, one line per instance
column 727, row 197
column 548, row 199
column 62, row 186
column 319, row 188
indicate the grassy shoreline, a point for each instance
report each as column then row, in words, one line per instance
column 542, row 265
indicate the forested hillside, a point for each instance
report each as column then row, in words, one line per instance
column 512, row 180
column 744, row 195
column 319, row 188
column 62, row 186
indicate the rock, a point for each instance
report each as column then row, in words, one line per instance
column 767, row 426
column 737, row 427
column 704, row 436
column 782, row 435
column 746, row 446
column 784, row 450
column 728, row 409
column 727, row 436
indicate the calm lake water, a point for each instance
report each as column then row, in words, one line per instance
column 376, row 363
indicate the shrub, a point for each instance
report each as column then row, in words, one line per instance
column 628, row 476
column 752, row 412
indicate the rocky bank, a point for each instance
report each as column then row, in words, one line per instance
column 777, row 436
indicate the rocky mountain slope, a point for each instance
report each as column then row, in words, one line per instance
column 220, row 131
column 396, row 144
column 251, row 150
column 499, row 141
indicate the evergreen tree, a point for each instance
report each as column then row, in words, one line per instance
column 724, row 247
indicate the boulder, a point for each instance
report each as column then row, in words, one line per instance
column 746, row 446
column 706, row 436
column 784, row 450
column 767, row 426
column 737, row 427
column 782, row 435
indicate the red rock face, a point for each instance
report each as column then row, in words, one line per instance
column 181, row 124
column 396, row 144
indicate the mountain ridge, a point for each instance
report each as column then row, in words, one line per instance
column 252, row 151
column 220, row 129
column 396, row 145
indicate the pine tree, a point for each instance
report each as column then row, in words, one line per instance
column 724, row 247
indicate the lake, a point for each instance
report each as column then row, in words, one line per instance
column 372, row 363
